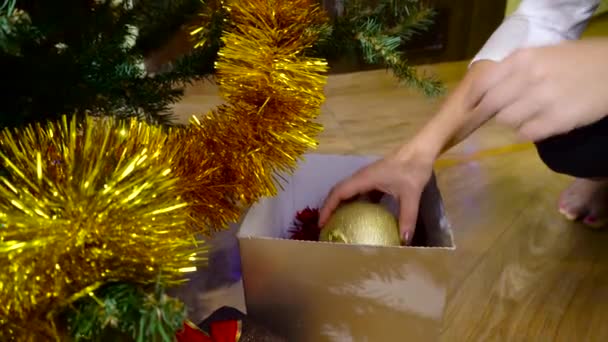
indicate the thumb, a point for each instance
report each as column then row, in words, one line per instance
column 408, row 215
column 341, row 192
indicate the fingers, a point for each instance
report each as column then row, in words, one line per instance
column 501, row 96
column 532, row 118
column 506, row 83
column 486, row 82
column 375, row 196
column 532, row 131
column 408, row 215
column 538, row 129
column 341, row 192
column 517, row 114
column 514, row 94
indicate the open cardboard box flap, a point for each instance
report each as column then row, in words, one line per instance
column 317, row 291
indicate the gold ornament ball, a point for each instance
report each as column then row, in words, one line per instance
column 362, row 223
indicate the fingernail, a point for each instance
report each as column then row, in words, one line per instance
column 569, row 216
column 590, row 219
column 406, row 237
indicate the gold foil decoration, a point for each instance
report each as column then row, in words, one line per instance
column 236, row 154
column 362, row 223
column 85, row 204
column 81, row 205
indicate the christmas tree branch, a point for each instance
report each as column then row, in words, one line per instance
column 121, row 309
column 378, row 47
column 7, row 7
column 14, row 23
column 378, row 33
column 419, row 20
column 212, row 22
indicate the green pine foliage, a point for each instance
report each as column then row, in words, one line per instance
column 75, row 56
column 123, row 312
column 378, row 33
column 13, row 24
column 86, row 56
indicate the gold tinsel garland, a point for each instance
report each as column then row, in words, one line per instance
column 84, row 204
column 103, row 200
column 232, row 157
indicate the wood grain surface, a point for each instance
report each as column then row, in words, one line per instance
column 521, row 272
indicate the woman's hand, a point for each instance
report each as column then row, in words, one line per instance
column 546, row 91
column 403, row 175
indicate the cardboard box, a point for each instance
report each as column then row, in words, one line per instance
column 318, row 291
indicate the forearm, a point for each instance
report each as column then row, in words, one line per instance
column 535, row 23
column 455, row 120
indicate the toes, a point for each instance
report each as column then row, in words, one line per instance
column 598, row 213
column 595, row 223
column 575, row 202
column 570, row 216
column 572, row 206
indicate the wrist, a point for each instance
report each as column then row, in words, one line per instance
column 438, row 135
column 416, row 152
column 453, row 122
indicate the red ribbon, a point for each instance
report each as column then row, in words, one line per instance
column 222, row 331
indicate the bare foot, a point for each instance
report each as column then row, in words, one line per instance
column 586, row 200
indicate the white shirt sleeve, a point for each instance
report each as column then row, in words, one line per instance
column 538, row 23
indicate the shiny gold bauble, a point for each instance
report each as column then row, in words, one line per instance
column 362, row 223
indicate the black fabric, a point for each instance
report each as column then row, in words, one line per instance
column 251, row 331
column 224, row 313
column 580, row 153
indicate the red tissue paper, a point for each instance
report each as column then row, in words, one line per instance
column 306, row 225
column 221, row 331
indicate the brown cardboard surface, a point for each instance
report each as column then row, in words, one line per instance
column 315, row 291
